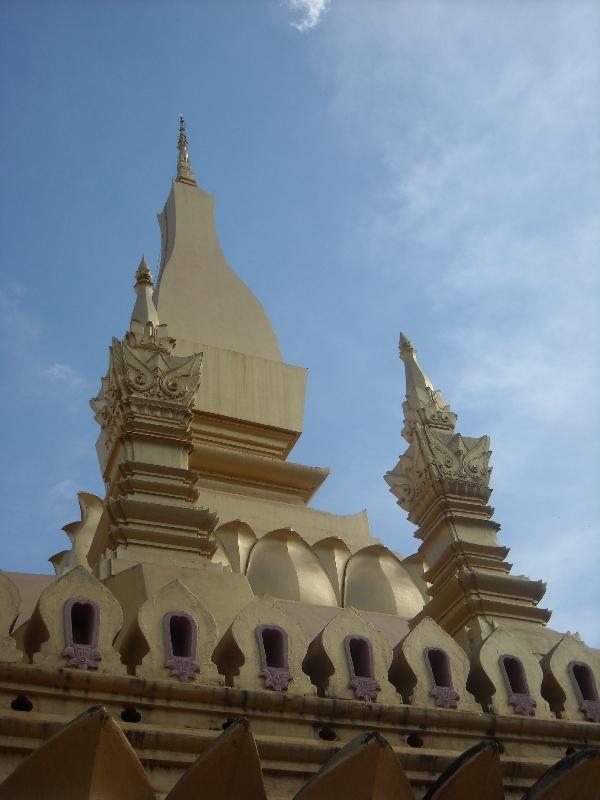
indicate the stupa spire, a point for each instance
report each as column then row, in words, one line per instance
column 442, row 481
column 184, row 165
column 144, row 310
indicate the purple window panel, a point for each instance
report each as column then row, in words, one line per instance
column 273, row 650
column 515, row 679
column 359, row 654
column 180, row 632
column 81, row 618
column 441, row 678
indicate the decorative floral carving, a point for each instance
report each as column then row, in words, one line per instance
column 277, row 678
column 591, row 709
column 523, row 704
column 365, row 688
column 144, row 378
column 445, row 697
column 435, row 456
column 82, row 656
column 182, row 667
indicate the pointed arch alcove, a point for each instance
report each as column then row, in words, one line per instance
column 74, row 624
column 351, row 659
column 179, row 634
column 572, row 680
column 506, row 677
column 264, row 649
column 430, row 669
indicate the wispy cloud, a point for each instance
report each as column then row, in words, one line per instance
column 310, row 13
column 61, row 373
column 486, row 138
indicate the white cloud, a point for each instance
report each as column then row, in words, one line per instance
column 61, row 373
column 62, row 491
column 310, row 12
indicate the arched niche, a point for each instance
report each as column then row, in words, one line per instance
column 376, row 580
column 179, row 635
column 351, row 659
column 74, row 624
column 282, row 565
column 10, row 602
column 506, row 677
column 571, row 682
column 430, row 669
column 263, row 649
column 237, row 540
column 333, row 553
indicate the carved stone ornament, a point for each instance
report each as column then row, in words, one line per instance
column 145, row 378
column 523, row 704
column 182, row 667
column 445, row 696
column 591, row 710
column 365, row 688
column 276, row 678
column 434, row 456
column 82, row 656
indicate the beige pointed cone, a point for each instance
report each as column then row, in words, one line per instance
column 228, row 770
column 89, row 759
column 477, row 774
column 576, row 777
column 365, row 769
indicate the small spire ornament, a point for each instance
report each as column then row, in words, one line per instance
column 184, row 166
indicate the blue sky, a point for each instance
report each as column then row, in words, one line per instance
column 430, row 167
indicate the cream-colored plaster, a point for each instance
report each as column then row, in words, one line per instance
column 365, row 769
column 281, row 564
column 265, row 515
column 377, row 581
column 197, row 294
column 237, row 539
column 333, row 553
column 10, row 603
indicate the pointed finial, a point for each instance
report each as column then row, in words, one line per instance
column 405, row 345
column 420, row 393
column 143, row 274
column 184, row 166
column 144, row 310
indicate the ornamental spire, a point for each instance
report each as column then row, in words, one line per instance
column 184, row 166
column 144, row 310
column 424, row 404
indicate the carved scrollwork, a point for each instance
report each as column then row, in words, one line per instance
column 365, row 688
column 145, row 378
column 276, row 678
